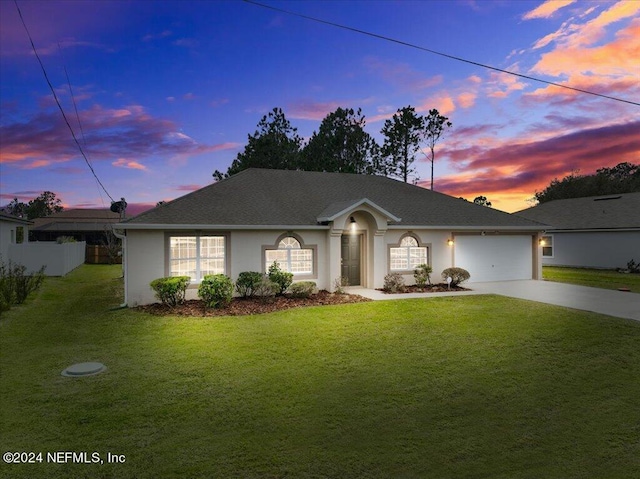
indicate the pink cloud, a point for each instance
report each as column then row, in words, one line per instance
column 467, row 99
column 441, row 101
column 616, row 58
column 128, row 132
column 547, row 9
column 130, row 164
column 310, row 110
column 500, row 85
column 522, row 167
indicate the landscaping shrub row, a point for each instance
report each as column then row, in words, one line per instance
column 394, row 282
column 216, row 290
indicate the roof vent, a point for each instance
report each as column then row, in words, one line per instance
column 608, row 198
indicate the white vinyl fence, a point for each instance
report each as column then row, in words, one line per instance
column 58, row 258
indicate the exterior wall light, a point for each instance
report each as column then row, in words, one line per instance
column 450, row 242
column 353, row 224
column 542, row 242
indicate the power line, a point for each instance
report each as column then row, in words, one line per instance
column 58, row 102
column 435, row 52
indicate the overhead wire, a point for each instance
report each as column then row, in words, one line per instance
column 55, row 96
column 75, row 107
column 435, row 52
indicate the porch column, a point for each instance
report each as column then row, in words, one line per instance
column 379, row 259
column 334, row 256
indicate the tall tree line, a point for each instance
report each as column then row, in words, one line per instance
column 44, row 205
column 341, row 144
column 622, row 178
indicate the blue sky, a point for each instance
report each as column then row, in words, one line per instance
column 167, row 92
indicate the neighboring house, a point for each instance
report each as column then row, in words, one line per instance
column 87, row 225
column 593, row 232
column 321, row 226
column 13, row 230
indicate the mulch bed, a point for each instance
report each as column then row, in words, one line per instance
column 430, row 288
column 244, row 306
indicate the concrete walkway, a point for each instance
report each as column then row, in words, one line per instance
column 604, row 301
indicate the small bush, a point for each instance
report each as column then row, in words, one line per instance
column 216, row 290
column 172, row 290
column 266, row 288
column 422, row 275
column 633, row 267
column 394, row 283
column 458, row 275
column 339, row 285
column 302, row 289
column 281, row 278
column 16, row 285
column 247, row 283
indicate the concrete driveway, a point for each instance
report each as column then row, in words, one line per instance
column 605, row 301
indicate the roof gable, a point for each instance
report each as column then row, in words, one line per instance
column 262, row 197
column 338, row 209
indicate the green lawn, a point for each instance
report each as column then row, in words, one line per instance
column 462, row 387
column 597, row 278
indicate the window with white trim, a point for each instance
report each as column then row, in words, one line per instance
column 547, row 246
column 290, row 256
column 196, row 256
column 408, row 255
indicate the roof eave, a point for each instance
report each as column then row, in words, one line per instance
column 178, row 227
column 532, row 229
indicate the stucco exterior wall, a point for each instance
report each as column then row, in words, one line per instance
column 246, row 250
column 440, row 254
column 144, row 262
column 146, row 254
column 594, row 249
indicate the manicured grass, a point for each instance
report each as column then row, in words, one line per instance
column 462, row 387
column 597, row 278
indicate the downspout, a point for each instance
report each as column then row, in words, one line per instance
column 123, row 237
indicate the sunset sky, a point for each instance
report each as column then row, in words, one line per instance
column 167, row 92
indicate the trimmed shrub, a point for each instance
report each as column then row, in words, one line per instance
column 247, row 283
column 422, row 275
column 394, row 283
column 302, row 289
column 216, row 290
column 458, row 275
column 266, row 288
column 281, row 278
column 172, row 290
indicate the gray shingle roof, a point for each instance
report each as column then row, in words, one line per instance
column 14, row 219
column 593, row 212
column 76, row 220
column 262, row 197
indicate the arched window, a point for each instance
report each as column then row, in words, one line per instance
column 290, row 256
column 407, row 255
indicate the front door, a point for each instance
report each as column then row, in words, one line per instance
column 351, row 258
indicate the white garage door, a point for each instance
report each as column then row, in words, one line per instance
column 495, row 257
